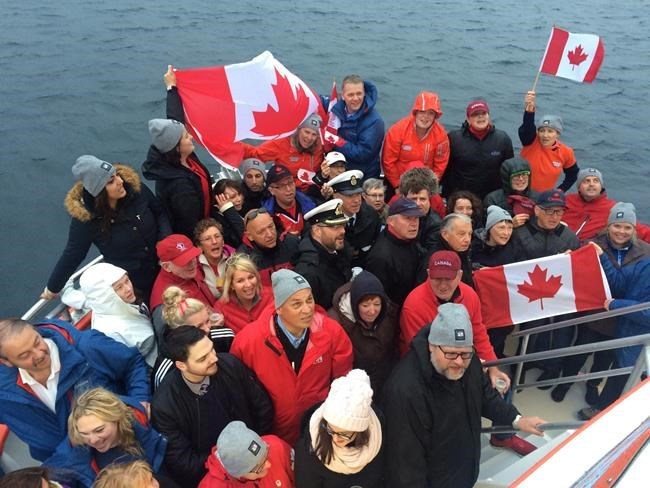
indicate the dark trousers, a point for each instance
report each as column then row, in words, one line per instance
column 546, row 341
column 498, row 336
column 603, row 360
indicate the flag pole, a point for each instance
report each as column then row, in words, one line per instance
column 536, row 80
column 539, row 71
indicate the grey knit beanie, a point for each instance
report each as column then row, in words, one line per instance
column 165, row 133
column 314, row 122
column 583, row 173
column 622, row 212
column 452, row 327
column 285, row 283
column 252, row 163
column 496, row 214
column 93, row 173
column 240, row 449
column 552, row 121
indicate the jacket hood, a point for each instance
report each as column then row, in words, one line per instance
column 363, row 285
column 79, row 203
column 96, row 283
column 511, row 167
column 368, row 103
column 427, row 101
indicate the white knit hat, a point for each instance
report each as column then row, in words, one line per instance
column 348, row 404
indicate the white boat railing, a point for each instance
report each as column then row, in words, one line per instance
column 35, row 310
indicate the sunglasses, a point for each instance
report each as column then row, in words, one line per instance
column 253, row 214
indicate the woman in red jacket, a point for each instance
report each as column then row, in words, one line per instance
column 243, row 297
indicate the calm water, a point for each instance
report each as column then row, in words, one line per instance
column 84, row 77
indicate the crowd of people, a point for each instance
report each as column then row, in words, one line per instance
column 311, row 323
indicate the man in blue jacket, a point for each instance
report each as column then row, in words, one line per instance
column 44, row 367
column 361, row 132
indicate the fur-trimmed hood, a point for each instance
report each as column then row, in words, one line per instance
column 79, row 203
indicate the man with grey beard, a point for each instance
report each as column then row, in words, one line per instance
column 434, row 401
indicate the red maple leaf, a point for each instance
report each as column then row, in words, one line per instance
column 290, row 113
column 577, row 56
column 539, row 287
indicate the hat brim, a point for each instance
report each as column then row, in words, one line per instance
column 334, row 222
column 184, row 258
column 413, row 212
column 551, row 205
column 448, row 274
column 353, row 191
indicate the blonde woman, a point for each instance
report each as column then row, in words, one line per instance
column 243, row 297
column 105, row 429
column 179, row 309
column 132, row 475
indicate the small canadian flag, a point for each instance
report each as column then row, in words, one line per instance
column 574, row 56
column 539, row 288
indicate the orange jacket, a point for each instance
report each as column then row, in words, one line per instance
column 547, row 163
column 402, row 144
column 283, row 151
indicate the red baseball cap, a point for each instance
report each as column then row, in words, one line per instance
column 477, row 106
column 444, row 264
column 178, row 249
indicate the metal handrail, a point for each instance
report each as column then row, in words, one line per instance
column 578, row 378
column 34, row 309
column 569, row 351
column 507, row 429
column 579, row 320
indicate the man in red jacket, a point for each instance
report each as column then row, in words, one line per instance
column 444, row 286
column 179, row 263
column 587, row 210
column 295, row 351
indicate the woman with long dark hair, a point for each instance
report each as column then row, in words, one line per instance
column 183, row 183
column 113, row 210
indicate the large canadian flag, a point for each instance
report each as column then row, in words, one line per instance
column 574, row 56
column 540, row 288
column 258, row 99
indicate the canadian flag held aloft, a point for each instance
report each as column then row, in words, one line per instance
column 574, row 56
column 540, row 288
column 258, row 99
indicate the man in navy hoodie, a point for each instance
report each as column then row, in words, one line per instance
column 361, row 133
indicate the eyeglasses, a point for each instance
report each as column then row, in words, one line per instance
column 285, row 186
column 260, row 467
column 375, row 196
column 520, row 176
column 342, row 435
column 455, row 355
column 556, row 211
column 253, row 214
